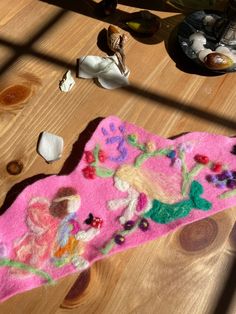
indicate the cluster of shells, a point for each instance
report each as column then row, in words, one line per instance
column 224, row 55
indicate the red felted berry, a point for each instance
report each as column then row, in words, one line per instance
column 217, row 167
column 201, row 159
column 89, row 172
column 89, row 157
column 101, row 156
column 97, row 222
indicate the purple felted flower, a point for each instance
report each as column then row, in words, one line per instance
column 177, row 163
column 186, row 147
column 3, row 250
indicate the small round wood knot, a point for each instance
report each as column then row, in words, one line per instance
column 14, row 167
column 198, row 235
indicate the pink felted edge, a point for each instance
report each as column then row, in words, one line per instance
column 96, row 193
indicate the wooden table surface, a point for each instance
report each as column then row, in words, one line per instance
column 39, row 41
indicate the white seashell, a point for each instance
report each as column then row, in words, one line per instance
column 50, row 146
column 222, row 49
column 105, row 69
column 226, row 51
column 203, row 53
column 198, row 36
column 198, row 41
column 209, row 20
column 67, row 82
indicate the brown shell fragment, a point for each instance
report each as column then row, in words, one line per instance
column 113, row 38
column 217, row 61
column 116, row 41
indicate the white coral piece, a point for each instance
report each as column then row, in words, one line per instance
column 67, row 82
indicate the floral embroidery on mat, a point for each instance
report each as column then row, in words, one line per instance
column 130, row 187
column 54, row 235
column 94, row 169
column 126, row 178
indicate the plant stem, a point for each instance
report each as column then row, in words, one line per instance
column 11, row 263
column 188, row 175
column 109, row 246
column 228, row 194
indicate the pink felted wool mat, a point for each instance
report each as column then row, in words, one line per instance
column 129, row 187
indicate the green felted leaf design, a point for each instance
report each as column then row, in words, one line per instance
column 132, row 139
column 165, row 213
column 228, row 194
column 15, row 264
column 104, row 172
column 196, row 189
column 95, row 154
column 141, row 158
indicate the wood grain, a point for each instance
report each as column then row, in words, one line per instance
column 181, row 273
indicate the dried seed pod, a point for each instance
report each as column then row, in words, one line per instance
column 116, row 41
column 217, row 61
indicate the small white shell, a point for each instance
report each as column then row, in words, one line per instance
column 67, row 82
column 226, row 51
column 198, row 41
column 223, row 49
column 203, row 53
column 198, row 36
column 50, row 146
column 209, row 20
column 105, row 69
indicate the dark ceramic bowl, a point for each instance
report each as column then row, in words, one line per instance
column 195, row 22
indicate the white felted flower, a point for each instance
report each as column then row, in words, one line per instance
column 88, row 235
